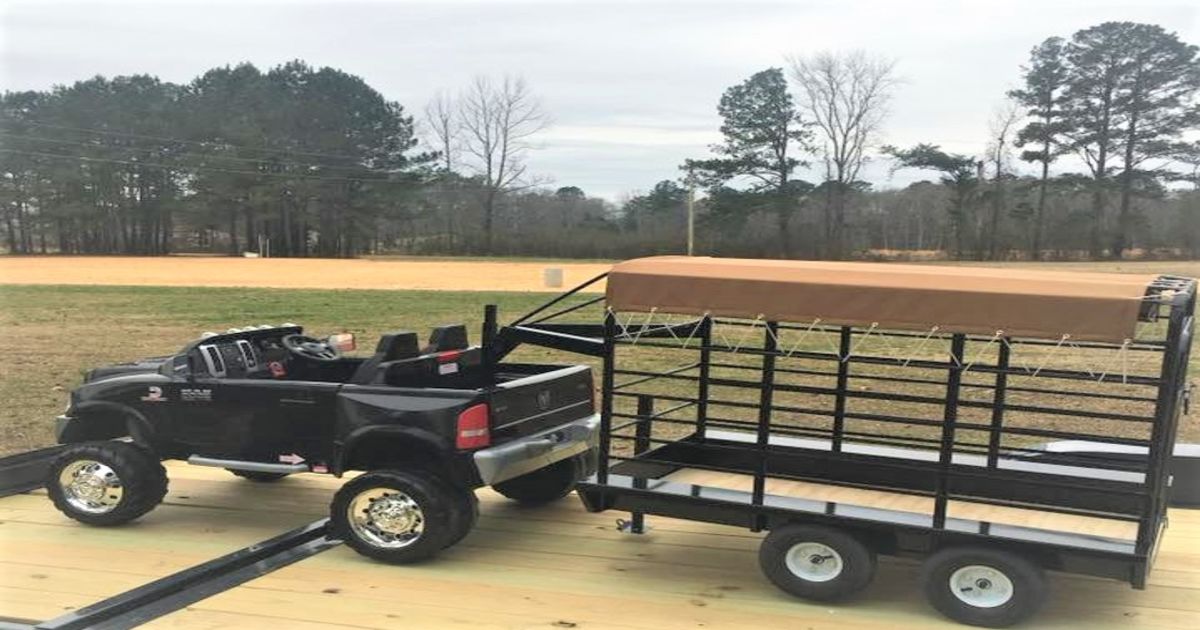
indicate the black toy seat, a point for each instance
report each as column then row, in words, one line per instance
column 392, row 347
column 446, row 338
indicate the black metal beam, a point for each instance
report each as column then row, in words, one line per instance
column 26, row 471
column 949, row 417
column 174, row 592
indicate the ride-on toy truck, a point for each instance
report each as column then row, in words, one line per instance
column 425, row 425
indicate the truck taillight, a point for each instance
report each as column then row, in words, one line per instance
column 473, row 428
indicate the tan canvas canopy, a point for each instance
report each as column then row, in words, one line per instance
column 975, row 300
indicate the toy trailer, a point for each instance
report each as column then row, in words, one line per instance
column 856, row 409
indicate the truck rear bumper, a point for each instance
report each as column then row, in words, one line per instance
column 530, row 453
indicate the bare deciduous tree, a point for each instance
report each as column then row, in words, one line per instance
column 442, row 122
column 845, row 96
column 498, row 121
column 1002, row 126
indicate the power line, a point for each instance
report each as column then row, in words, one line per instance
column 188, row 153
column 105, row 132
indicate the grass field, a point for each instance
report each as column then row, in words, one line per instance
column 51, row 334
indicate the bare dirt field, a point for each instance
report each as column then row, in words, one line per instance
column 293, row 273
column 379, row 273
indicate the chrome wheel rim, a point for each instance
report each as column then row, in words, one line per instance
column 385, row 518
column 814, row 562
column 91, row 486
column 981, row 586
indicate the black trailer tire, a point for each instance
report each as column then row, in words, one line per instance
column 983, row 587
column 397, row 516
column 106, row 483
column 542, row 486
column 258, row 475
column 815, row 562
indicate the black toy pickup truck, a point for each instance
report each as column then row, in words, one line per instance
column 425, row 424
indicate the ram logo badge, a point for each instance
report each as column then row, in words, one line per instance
column 154, row 393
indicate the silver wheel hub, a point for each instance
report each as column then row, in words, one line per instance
column 814, row 561
column 981, row 586
column 91, row 486
column 386, row 518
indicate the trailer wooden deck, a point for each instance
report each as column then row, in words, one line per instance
column 553, row 567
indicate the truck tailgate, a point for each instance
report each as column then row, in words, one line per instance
column 540, row 401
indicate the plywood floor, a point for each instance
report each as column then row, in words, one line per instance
column 554, row 567
column 1037, row 519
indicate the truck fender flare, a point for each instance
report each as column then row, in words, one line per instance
column 395, row 435
column 136, row 423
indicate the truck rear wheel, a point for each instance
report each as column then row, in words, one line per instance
column 106, row 483
column 398, row 516
column 815, row 562
column 983, row 587
column 542, row 486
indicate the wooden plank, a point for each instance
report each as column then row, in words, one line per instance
column 1037, row 519
column 556, row 566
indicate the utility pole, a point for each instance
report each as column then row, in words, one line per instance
column 691, row 213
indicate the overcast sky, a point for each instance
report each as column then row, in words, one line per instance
column 632, row 86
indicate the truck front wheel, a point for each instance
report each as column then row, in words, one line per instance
column 542, row 486
column 398, row 516
column 106, row 483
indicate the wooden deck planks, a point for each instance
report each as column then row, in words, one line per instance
column 1037, row 519
column 551, row 567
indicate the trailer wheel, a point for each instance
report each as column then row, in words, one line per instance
column 257, row 475
column 542, row 486
column 983, row 587
column 106, row 483
column 397, row 516
column 815, row 562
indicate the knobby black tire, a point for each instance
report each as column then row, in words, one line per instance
column 442, row 505
column 143, row 480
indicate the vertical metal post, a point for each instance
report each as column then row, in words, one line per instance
column 1002, row 361
column 949, row 419
column 641, row 444
column 1166, row 410
column 843, row 379
column 606, row 396
column 765, row 400
column 489, row 324
column 702, row 385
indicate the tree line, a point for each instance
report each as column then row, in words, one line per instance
column 308, row 161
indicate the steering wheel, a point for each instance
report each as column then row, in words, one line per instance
column 312, row 349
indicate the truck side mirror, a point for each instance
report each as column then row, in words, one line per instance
column 344, row 342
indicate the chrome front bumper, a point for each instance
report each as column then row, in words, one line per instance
column 527, row 454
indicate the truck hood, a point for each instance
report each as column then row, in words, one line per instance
column 151, row 364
